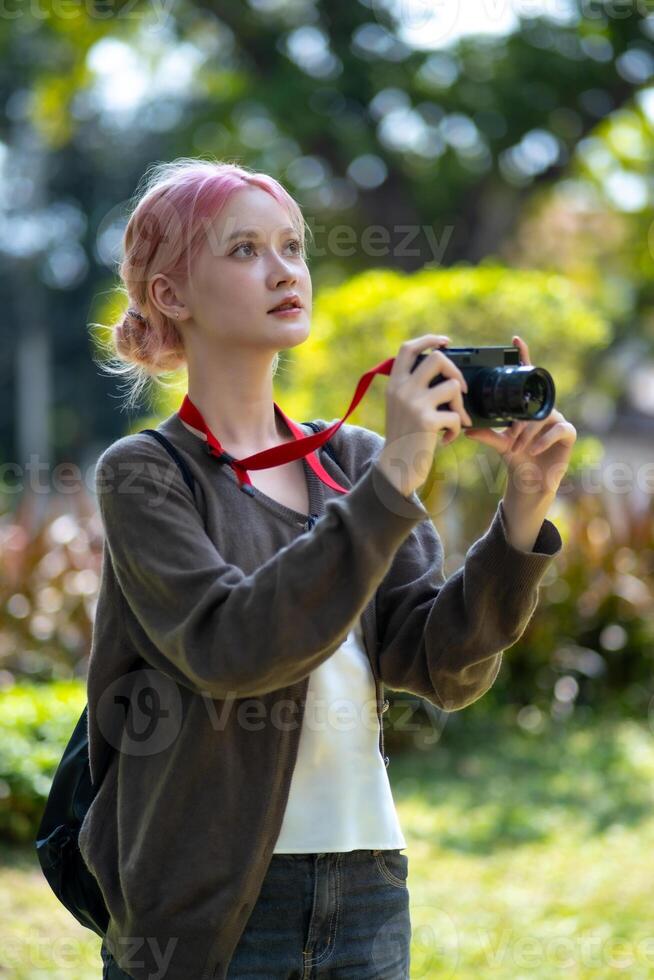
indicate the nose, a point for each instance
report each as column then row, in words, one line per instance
column 282, row 270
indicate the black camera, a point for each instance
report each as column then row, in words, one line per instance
column 500, row 388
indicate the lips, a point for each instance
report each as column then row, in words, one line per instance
column 289, row 302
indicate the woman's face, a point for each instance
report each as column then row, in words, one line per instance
column 238, row 277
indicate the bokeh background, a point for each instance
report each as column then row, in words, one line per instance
column 470, row 167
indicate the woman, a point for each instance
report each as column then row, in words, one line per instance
column 235, row 834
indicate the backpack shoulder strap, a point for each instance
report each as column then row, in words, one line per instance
column 329, row 449
column 189, row 479
column 186, row 473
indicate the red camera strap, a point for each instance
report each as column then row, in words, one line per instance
column 285, row 453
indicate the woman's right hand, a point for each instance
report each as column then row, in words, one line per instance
column 413, row 421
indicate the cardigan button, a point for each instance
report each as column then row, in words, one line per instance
column 386, row 761
column 385, row 705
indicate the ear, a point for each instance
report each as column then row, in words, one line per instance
column 166, row 297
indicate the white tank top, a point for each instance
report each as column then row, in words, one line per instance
column 340, row 797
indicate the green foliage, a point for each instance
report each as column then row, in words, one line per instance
column 36, row 722
column 49, row 578
column 592, row 636
column 363, row 322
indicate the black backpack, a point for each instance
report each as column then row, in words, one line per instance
column 72, row 793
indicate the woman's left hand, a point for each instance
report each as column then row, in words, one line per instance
column 546, row 444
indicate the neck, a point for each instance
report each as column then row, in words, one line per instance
column 236, row 399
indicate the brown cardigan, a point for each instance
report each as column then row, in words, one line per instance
column 213, row 610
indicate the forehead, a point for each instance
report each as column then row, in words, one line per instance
column 253, row 212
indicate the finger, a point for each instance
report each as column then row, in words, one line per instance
column 511, row 432
column 439, row 363
column 563, row 432
column 496, row 440
column 523, row 348
column 451, row 422
column 478, row 434
column 516, row 428
column 465, row 418
column 530, row 430
column 520, row 344
column 449, row 392
column 411, row 348
column 527, row 435
column 457, row 403
column 556, row 416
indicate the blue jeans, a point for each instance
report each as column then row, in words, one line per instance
column 334, row 915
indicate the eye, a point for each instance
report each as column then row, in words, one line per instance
column 242, row 245
column 292, row 241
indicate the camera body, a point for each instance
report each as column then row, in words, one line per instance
column 500, row 388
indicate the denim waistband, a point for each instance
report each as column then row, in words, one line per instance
column 358, row 853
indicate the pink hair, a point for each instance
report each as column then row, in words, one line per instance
column 166, row 229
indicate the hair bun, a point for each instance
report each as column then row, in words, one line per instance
column 137, row 316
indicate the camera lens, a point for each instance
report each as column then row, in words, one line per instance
column 535, row 394
column 521, row 392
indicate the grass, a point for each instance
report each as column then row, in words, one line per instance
column 39, row 938
column 530, row 856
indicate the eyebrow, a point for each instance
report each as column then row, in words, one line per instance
column 253, row 232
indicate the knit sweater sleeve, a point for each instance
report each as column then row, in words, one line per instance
column 443, row 638
column 204, row 621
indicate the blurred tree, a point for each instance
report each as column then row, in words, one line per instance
column 455, row 138
column 438, row 148
column 595, row 227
